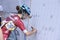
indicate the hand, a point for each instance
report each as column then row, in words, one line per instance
column 34, row 30
column 31, row 32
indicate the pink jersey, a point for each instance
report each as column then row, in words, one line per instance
column 17, row 22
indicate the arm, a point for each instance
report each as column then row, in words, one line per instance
column 20, row 24
column 31, row 32
column 1, row 35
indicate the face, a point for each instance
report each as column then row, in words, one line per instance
column 26, row 16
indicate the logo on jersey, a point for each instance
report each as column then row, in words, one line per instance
column 10, row 25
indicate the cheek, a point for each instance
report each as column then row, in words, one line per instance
column 24, row 17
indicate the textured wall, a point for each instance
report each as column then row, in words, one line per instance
column 0, row 2
column 46, row 19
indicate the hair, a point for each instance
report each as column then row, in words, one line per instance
column 20, row 12
column 17, row 8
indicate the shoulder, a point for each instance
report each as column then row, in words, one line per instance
column 16, row 17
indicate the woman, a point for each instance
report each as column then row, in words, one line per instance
column 15, row 20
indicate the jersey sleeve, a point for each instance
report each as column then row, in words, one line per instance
column 20, row 24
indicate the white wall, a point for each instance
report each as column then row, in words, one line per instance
column 9, row 5
column 0, row 2
column 46, row 19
